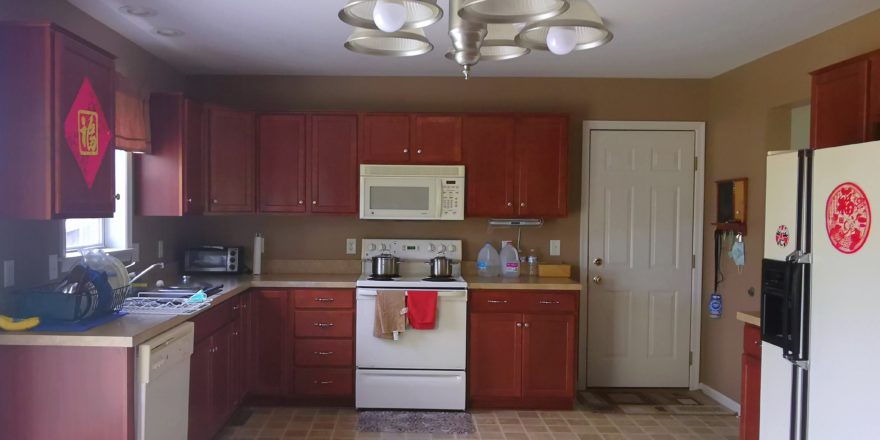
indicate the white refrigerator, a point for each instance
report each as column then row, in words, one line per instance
column 820, row 298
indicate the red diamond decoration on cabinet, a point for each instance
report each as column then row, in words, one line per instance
column 87, row 132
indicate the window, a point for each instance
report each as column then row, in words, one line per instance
column 104, row 233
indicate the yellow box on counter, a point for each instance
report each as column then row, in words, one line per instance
column 554, row 270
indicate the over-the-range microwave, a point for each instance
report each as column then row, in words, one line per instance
column 412, row 192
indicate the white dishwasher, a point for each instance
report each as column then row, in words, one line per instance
column 162, row 385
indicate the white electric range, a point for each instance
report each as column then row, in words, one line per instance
column 423, row 369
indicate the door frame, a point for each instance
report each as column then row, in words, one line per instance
column 699, row 129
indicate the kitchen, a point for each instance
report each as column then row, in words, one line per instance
column 317, row 243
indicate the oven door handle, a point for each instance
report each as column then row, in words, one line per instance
column 444, row 294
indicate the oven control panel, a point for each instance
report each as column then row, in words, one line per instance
column 407, row 249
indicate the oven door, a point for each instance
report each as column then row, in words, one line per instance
column 400, row 198
column 443, row 348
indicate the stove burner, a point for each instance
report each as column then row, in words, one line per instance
column 383, row 277
column 440, row 279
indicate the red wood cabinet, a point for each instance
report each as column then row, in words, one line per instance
column 436, row 139
column 400, row 138
column 520, row 355
column 750, row 407
column 384, row 138
column 170, row 180
column 333, row 164
column 282, row 151
column 200, row 407
column 489, row 163
column 46, row 73
column 517, row 166
column 230, row 140
column 846, row 102
column 270, row 343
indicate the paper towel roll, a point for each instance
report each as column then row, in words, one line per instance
column 258, row 254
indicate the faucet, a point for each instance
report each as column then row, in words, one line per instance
column 147, row 270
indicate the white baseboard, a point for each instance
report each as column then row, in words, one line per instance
column 725, row 401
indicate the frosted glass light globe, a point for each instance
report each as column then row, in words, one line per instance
column 561, row 39
column 389, row 15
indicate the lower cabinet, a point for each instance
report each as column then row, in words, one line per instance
column 750, row 407
column 522, row 349
column 270, row 343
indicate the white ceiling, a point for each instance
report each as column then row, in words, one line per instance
column 653, row 38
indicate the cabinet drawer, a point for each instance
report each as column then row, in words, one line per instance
column 323, row 324
column 324, row 353
column 324, row 381
column 549, row 302
column 752, row 340
column 208, row 322
column 323, row 299
column 529, row 301
column 494, row 301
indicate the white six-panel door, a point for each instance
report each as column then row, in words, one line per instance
column 640, row 242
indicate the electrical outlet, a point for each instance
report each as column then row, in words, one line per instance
column 137, row 252
column 554, row 248
column 351, row 246
column 53, row 267
column 8, row 273
column 160, row 250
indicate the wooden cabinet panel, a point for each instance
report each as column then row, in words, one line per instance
column 324, row 353
column 840, row 105
column 548, row 355
column 489, row 164
column 750, row 412
column 436, row 139
column 323, row 299
column 221, row 375
column 269, row 341
column 282, row 159
column 238, row 352
column 385, row 138
column 200, row 409
column 542, row 166
column 324, row 382
column 495, row 361
column 752, row 340
column 323, row 324
column 212, row 320
column 333, row 159
column 874, row 100
column 523, row 301
column 231, row 148
column 194, row 175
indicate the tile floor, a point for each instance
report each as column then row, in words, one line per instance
column 579, row 424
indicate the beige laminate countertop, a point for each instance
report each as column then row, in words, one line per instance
column 753, row 318
column 134, row 329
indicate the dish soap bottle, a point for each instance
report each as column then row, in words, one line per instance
column 509, row 261
column 488, row 262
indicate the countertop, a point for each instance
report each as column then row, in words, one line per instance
column 134, row 329
column 753, row 318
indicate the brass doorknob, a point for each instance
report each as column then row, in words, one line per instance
column 597, row 279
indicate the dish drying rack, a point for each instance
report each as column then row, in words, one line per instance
column 162, row 306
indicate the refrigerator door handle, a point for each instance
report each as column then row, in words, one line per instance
column 799, row 257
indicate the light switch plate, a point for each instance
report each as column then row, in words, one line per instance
column 8, row 273
column 554, row 248
column 160, row 250
column 351, row 246
column 53, row 267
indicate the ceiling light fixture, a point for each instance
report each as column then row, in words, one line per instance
column 511, row 11
column 579, row 28
column 168, row 32
column 498, row 45
column 137, row 11
column 391, row 15
column 403, row 43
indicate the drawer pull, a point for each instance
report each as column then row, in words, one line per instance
column 545, row 301
column 324, row 324
column 324, row 300
column 498, row 301
column 323, row 353
column 323, row 382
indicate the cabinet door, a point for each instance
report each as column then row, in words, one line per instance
column 751, row 398
column 840, row 105
column 269, row 340
column 282, row 152
column 231, row 160
column 495, row 358
column 200, row 385
column 542, row 166
column 874, row 100
column 236, row 383
column 436, row 139
column 548, row 355
column 221, row 363
column 333, row 164
column 384, row 138
column 76, row 194
column 193, row 158
column 489, row 165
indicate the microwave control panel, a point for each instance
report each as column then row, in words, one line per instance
column 452, row 199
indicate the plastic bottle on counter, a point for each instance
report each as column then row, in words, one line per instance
column 509, row 261
column 488, row 262
column 532, row 261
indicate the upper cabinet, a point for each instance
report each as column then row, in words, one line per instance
column 517, row 166
column 333, row 164
column 846, row 102
column 58, row 117
column 282, row 169
column 400, row 138
column 230, row 142
column 170, row 180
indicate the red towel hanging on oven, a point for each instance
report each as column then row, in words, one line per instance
column 422, row 309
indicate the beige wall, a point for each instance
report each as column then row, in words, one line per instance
column 743, row 123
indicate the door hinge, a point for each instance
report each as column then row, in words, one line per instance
column 696, row 164
column 693, row 261
column 690, row 358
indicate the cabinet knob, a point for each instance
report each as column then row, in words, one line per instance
column 544, row 301
column 522, row 204
column 509, row 204
column 323, row 353
column 519, row 324
column 189, row 200
column 323, row 382
column 314, row 202
column 526, row 324
column 234, row 333
column 324, row 324
column 406, row 150
column 300, row 202
column 215, row 201
column 324, row 300
column 498, row 301
column 419, row 151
